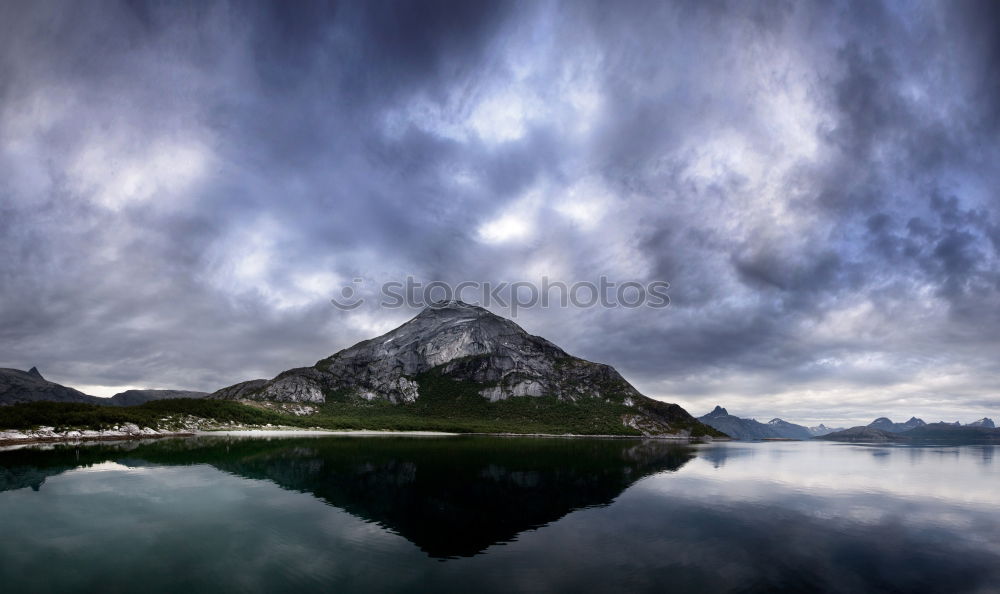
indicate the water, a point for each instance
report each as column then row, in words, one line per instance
column 478, row 514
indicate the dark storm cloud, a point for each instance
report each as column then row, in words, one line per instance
column 184, row 186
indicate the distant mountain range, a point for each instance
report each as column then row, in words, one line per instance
column 865, row 433
column 881, row 429
column 476, row 353
column 885, row 424
column 983, row 422
column 822, row 429
column 884, row 430
column 29, row 386
column 751, row 429
column 137, row 397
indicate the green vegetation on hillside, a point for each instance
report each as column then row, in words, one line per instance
column 157, row 414
column 448, row 405
column 444, row 405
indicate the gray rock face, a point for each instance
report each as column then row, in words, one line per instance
column 471, row 343
column 137, row 397
column 29, row 386
column 462, row 342
column 241, row 391
column 292, row 388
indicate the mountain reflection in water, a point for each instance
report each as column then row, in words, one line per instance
column 451, row 497
column 490, row 514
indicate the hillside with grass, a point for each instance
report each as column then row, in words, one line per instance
column 445, row 405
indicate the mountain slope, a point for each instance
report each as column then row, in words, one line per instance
column 29, row 386
column 457, row 360
column 18, row 386
column 885, row 424
column 735, row 427
column 751, row 429
column 925, row 433
column 788, row 430
column 863, row 434
column 948, row 432
column 822, row 429
column 137, row 397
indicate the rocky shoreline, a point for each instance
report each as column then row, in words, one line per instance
column 131, row 431
column 49, row 434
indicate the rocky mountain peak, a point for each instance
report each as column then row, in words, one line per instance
column 17, row 385
column 485, row 353
column 739, row 428
column 886, row 424
column 454, row 306
column 983, row 422
column 454, row 336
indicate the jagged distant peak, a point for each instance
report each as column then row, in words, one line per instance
column 17, row 385
column 983, row 422
column 740, row 428
column 886, row 424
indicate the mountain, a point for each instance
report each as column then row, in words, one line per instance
column 921, row 433
column 887, row 425
column 788, row 430
column 737, row 428
column 137, row 397
column 241, row 391
column 29, row 386
column 822, row 429
column 983, row 422
column 949, row 432
column 453, row 358
column 863, row 434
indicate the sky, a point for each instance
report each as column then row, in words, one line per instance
column 185, row 186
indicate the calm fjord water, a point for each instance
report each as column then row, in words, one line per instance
column 375, row 514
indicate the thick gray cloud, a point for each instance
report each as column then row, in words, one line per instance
column 183, row 188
